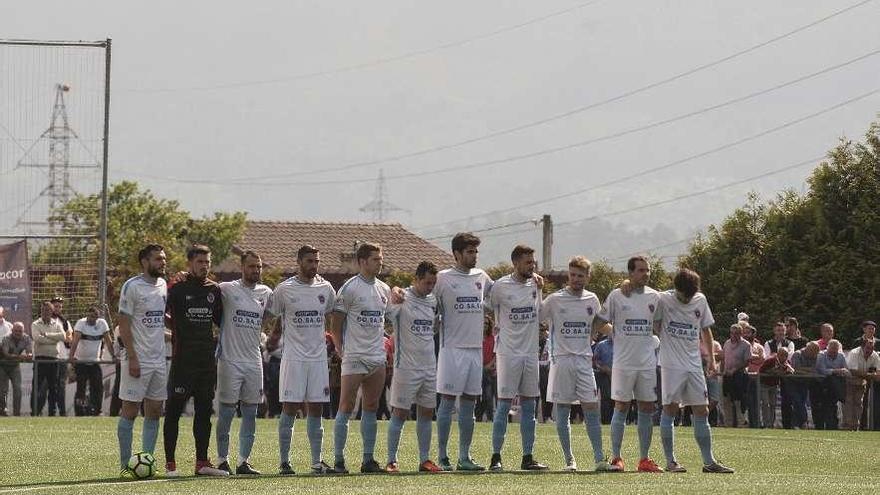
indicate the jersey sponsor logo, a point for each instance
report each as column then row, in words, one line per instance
column 574, row 328
column 371, row 318
column 468, row 304
column 421, row 328
column 679, row 329
column 636, row 326
column 154, row 319
column 249, row 314
column 308, row 318
column 522, row 314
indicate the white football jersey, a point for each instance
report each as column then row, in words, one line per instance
column 633, row 321
column 363, row 329
column 303, row 308
column 571, row 321
column 681, row 325
column 242, row 325
column 414, row 331
column 460, row 298
column 144, row 303
column 516, row 306
column 91, row 338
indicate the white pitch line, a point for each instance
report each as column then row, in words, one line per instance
column 75, row 485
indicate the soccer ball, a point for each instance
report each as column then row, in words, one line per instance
column 142, row 464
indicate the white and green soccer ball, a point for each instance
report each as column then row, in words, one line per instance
column 142, row 465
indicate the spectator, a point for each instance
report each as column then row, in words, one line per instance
column 271, row 377
column 14, row 347
column 776, row 365
column 793, row 333
column 115, row 401
column 603, row 355
column 486, row 405
column 88, row 335
column 804, row 363
column 826, row 333
column 5, row 326
column 869, row 332
column 335, row 375
column 780, row 330
column 63, row 355
column 831, row 364
column 779, row 340
column 713, row 378
column 735, row 358
column 756, row 359
column 384, row 412
column 47, row 333
column 863, row 363
column 544, row 371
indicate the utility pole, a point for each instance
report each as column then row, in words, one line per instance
column 547, row 244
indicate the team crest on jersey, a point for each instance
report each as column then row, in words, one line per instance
column 651, row 307
column 697, row 312
column 326, row 391
column 321, row 298
column 589, row 310
column 479, row 285
column 384, row 299
column 210, row 297
column 534, row 294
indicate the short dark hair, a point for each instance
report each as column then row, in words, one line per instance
column 149, row 249
column 425, row 268
column 464, row 240
column 196, row 250
column 778, row 323
column 687, row 282
column 520, row 250
column 250, row 254
column 366, row 249
column 631, row 263
column 304, row 250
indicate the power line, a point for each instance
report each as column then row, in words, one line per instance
column 627, row 94
column 542, row 152
column 370, row 63
column 650, row 249
column 668, row 165
column 487, row 229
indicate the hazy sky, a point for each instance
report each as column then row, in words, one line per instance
column 228, row 92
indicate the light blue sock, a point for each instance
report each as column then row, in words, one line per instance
column 315, row 431
column 123, row 433
column 368, row 433
column 444, row 424
column 527, row 424
column 499, row 425
column 703, row 436
column 594, row 432
column 618, row 423
column 285, row 433
column 646, row 431
column 423, row 432
column 394, row 431
column 465, row 428
column 247, row 433
column 150, row 434
column 562, row 414
column 340, row 435
column 224, row 424
column 667, row 436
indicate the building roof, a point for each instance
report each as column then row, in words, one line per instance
column 277, row 243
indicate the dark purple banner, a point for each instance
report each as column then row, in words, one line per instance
column 15, row 283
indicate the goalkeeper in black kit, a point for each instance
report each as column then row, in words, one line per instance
column 194, row 307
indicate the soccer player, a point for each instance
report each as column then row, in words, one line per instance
column 142, row 368
column 634, row 365
column 240, row 361
column 194, row 306
column 460, row 293
column 571, row 312
column 302, row 302
column 415, row 366
column 358, row 328
column 516, row 301
column 682, row 318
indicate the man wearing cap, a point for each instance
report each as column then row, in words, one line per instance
column 869, row 332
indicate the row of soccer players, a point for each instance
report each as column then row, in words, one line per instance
column 453, row 300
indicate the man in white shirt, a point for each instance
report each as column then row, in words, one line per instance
column 302, row 303
column 142, row 302
column 516, row 301
column 863, row 363
column 683, row 320
column 358, row 329
column 89, row 334
column 5, row 326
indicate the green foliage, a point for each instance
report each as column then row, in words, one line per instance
column 499, row 270
column 399, row 279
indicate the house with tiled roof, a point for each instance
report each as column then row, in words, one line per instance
column 277, row 243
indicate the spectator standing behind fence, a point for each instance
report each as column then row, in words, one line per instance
column 88, row 335
column 63, row 355
column 753, row 403
column 736, row 354
column 272, row 372
column 869, row 332
column 804, row 363
column 5, row 326
column 826, row 333
column 603, row 356
column 863, row 363
column 776, row 365
column 793, row 333
column 713, row 377
column 546, row 410
column 780, row 330
column 14, row 347
column 486, row 404
column 831, row 364
column 47, row 333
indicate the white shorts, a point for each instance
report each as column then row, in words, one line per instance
column 152, row 384
column 518, row 375
column 239, row 382
column 686, row 388
column 627, row 385
column 304, row 381
column 571, row 380
column 361, row 365
column 460, row 371
column 410, row 387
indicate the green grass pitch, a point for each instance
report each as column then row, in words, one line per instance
column 79, row 455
